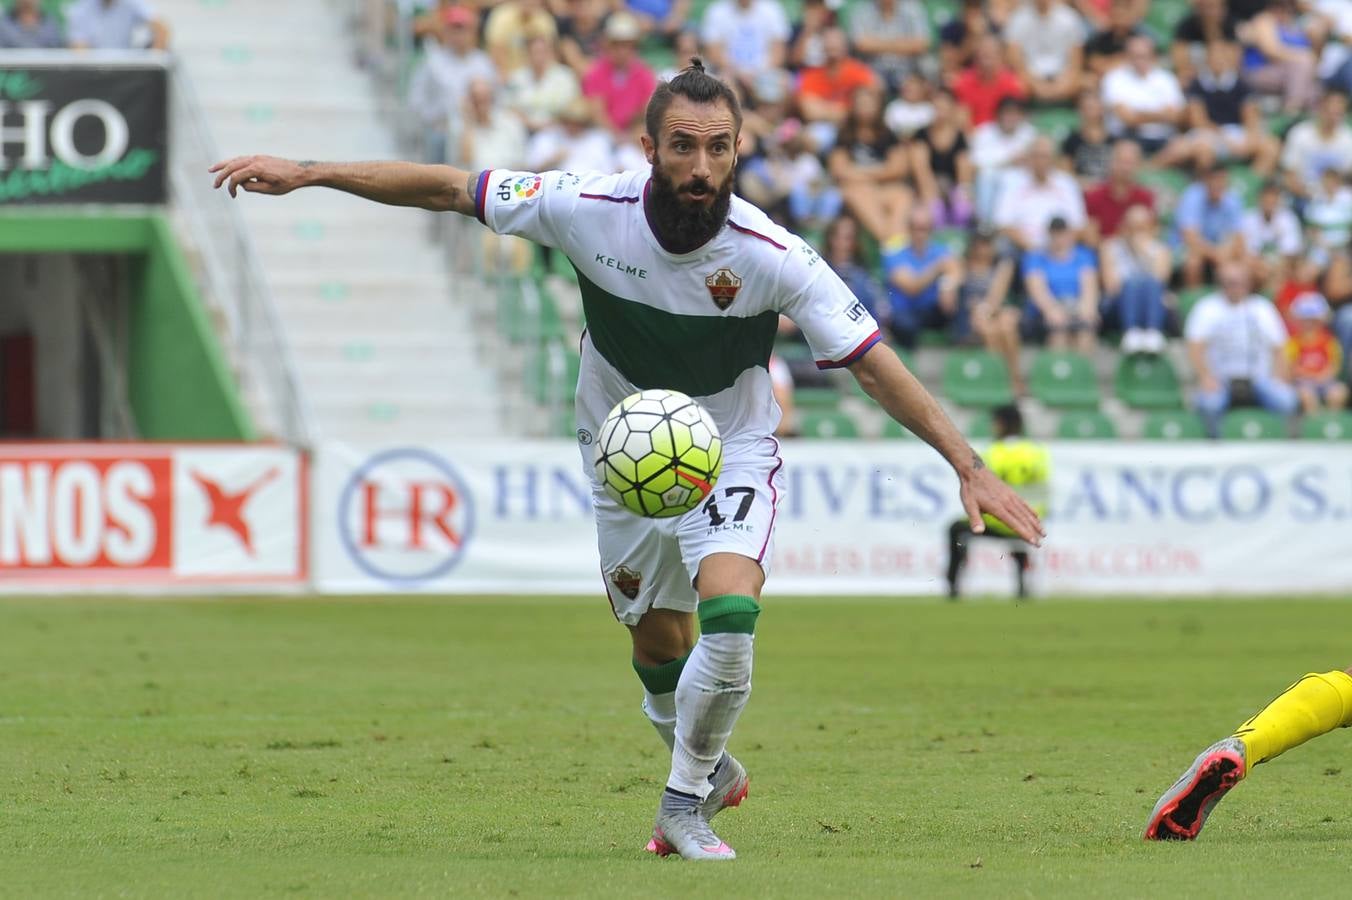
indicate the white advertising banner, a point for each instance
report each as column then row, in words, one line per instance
column 859, row 517
column 104, row 515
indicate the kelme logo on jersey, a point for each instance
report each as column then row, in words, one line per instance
column 723, row 286
column 626, row 581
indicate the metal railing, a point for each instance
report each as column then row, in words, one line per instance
column 383, row 35
column 234, row 284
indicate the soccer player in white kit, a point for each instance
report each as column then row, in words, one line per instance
column 682, row 286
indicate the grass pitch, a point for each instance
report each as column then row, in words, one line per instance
column 293, row 747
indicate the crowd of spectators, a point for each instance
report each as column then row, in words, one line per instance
column 82, row 25
column 1001, row 172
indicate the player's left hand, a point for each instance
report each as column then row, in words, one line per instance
column 982, row 492
column 258, row 175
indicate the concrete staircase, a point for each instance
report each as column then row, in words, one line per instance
column 384, row 343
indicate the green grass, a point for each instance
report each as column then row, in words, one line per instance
column 296, row 747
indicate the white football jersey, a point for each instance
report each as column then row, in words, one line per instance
column 702, row 323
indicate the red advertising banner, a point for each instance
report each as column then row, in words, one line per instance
column 94, row 514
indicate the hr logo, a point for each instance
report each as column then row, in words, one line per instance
column 405, row 516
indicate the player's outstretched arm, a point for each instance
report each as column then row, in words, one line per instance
column 883, row 376
column 438, row 188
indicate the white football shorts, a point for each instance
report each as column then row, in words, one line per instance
column 652, row 563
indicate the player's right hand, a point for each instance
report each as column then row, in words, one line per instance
column 259, row 175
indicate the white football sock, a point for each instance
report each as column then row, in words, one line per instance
column 713, row 689
column 661, row 711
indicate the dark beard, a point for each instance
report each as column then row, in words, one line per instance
column 681, row 227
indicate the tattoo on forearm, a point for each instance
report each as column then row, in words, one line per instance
column 307, row 163
column 977, row 461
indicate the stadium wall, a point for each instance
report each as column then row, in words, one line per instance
column 179, row 385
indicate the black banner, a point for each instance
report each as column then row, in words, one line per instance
column 83, row 134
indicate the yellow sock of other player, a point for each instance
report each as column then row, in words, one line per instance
column 1312, row 706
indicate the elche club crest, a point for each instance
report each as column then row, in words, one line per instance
column 723, row 286
column 626, row 581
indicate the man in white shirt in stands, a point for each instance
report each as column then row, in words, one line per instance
column 1032, row 197
column 1144, row 102
column 115, row 25
column 1318, row 143
column 997, row 147
column 745, row 37
column 1046, row 48
column 1235, row 342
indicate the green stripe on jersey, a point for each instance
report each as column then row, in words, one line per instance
column 653, row 348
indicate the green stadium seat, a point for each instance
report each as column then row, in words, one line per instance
column 1056, row 121
column 955, row 239
column 1085, row 425
column 1187, row 299
column 1167, row 185
column 1174, row 425
column 1252, row 425
column 545, row 381
column 976, row 378
column 894, row 430
column 981, row 428
column 1247, row 182
column 817, row 399
column 1064, row 380
column 824, row 423
column 793, row 351
column 1148, row 382
column 1327, row 426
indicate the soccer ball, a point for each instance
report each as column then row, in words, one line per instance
column 658, row 453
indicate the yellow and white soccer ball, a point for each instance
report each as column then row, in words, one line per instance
column 658, row 454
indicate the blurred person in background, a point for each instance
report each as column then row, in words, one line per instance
column 825, row 92
column 491, row 130
column 1136, row 266
column 25, row 26
column 437, row 89
column 1272, row 237
column 661, row 18
column 942, row 166
column 1315, row 357
column 686, row 45
column 745, row 37
column 1302, row 279
column 1328, row 215
column 922, row 281
column 912, row 109
column 1224, row 121
column 844, row 255
column 1144, row 101
column 510, row 26
column 959, row 36
column 1045, row 43
column 1279, row 55
column 582, row 33
column 575, row 143
column 1062, row 306
column 1318, row 143
column 781, row 385
column 115, row 25
column 1106, row 49
column 620, row 82
column 1335, row 58
column 1024, row 466
column 1208, row 23
column 1106, row 204
column 807, row 40
column 894, row 37
column 987, row 83
column 541, row 89
column 1207, row 218
column 1088, row 147
column 870, row 166
column 788, row 181
column 1032, row 197
column 998, row 147
column 982, row 312
column 1237, row 347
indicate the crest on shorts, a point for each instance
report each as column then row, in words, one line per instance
column 723, row 286
column 626, row 581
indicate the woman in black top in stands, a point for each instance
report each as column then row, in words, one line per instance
column 870, row 165
column 941, row 165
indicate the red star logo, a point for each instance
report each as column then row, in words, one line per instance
column 227, row 510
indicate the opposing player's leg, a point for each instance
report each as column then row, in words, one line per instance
column 1314, row 705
